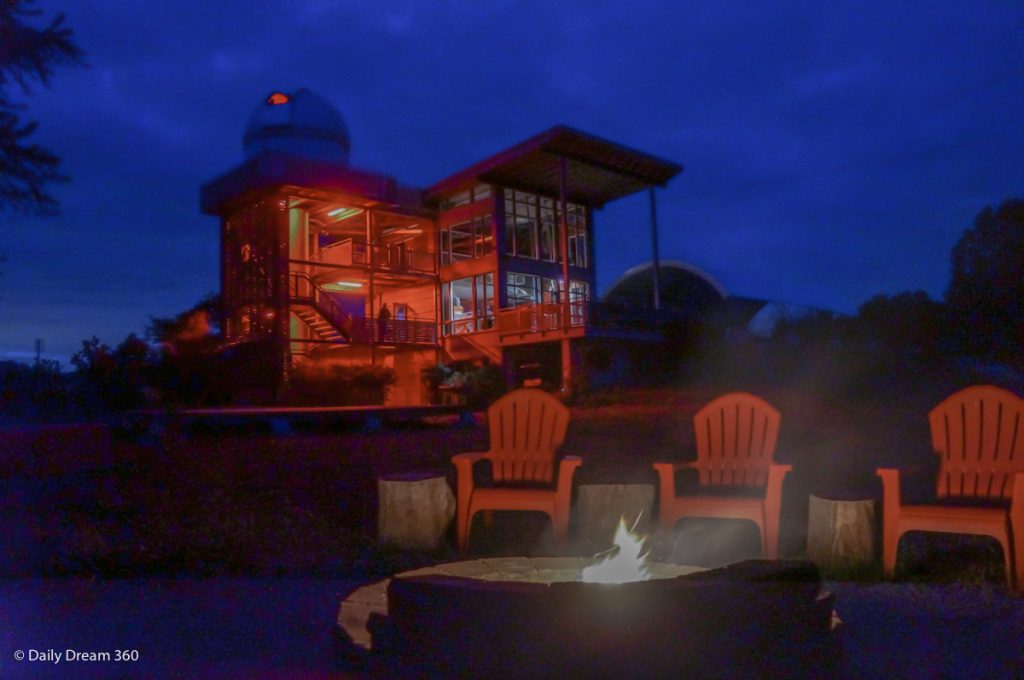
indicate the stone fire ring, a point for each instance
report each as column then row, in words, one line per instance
column 355, row 610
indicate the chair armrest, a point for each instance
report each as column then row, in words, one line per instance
column 1017, row 512
column 776, row 473
column 773, row 487
column 672, row 468
column 464, row 463
column 667, row 477
column 566, row 468
column 464, row 459
column 890, row 488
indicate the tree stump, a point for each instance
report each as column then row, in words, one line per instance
column 600, row 506
column 414, row 510
column 840, row 533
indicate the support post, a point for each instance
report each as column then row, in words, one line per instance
column 563, row 237
column 654, row 249
column 371, row 316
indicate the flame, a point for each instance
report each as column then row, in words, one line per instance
column 624, row 563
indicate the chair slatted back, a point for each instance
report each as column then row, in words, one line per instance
column 978, row 434
column 736, row 435
column 527, row 426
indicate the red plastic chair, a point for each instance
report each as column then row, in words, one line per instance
column 736, row 436
column 527, row 426
column 978, row 434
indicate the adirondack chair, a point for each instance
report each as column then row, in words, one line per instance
column 526, row 427
column 736, row 435
column 978, row 434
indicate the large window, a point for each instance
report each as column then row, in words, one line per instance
column 467, row 304
column 522, row 289
column 548, row 230
column 467, row 240
column 527, row 289
column 477, row 193
column 531, row 228
column 576, row 223
column 521, row 224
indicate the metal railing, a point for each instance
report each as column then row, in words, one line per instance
column 302, row 288
column 404, row 331
column 393, row 258
column 548, row 316
column 545, row 316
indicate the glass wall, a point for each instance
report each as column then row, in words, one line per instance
column 576, row 228
column 527, row 289
column 467, row 305
column 531, row 228
column 467, row 240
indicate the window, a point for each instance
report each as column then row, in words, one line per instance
column 467, row 240
column 461, row 241
column 579, row 295
column 548, row 231
column 481, row 191
column 532, row 228
column 467, row 304
column 576, row 227
column 521, row 224
column 521, row 289
column 484, row 302
column 461, row 198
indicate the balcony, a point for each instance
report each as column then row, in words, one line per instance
column 544, row 322
column 394, row 259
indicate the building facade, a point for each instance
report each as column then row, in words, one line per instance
column 323, row 262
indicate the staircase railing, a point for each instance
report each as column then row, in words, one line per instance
column 303, row 288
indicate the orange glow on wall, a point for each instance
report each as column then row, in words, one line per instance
column 278, row 98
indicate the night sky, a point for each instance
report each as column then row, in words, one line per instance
column 832, row 151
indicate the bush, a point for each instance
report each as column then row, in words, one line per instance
column 480, row 385
column 333, row 384
column 484, row 385
column 35, row 392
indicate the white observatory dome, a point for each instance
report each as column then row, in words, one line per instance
column 300, row 123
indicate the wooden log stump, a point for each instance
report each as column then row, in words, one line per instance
column 600, row 506
column 841, row 533
column 414, row 510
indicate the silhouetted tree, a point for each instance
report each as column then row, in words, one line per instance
column 195, row 323
column 908, row 322
column 986, row 293
column 115, row 379
column 190, row 370
column 28, row 53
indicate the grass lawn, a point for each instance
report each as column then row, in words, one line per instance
column 254, row 504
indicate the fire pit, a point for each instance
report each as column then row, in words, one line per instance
column 522, row 617
column 531, row 617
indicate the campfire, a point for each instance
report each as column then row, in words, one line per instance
column 624, row 563
column 614, row 615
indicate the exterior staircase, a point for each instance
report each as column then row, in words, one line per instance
column 323, row 328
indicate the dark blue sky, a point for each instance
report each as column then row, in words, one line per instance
column 832, row 151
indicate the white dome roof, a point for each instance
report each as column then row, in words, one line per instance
column 301, row 123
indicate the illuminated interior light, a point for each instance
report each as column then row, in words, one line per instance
column 348, row 284
column 278, row 98
column 344, row 213
column 411, row 229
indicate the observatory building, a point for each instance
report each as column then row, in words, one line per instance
column 324, row 262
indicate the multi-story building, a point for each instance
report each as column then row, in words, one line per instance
column 324, row 262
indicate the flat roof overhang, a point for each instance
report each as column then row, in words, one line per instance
column 271, row 169
column 598, row 171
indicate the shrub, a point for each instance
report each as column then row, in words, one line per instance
column 333, row 384
column 484, row 385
